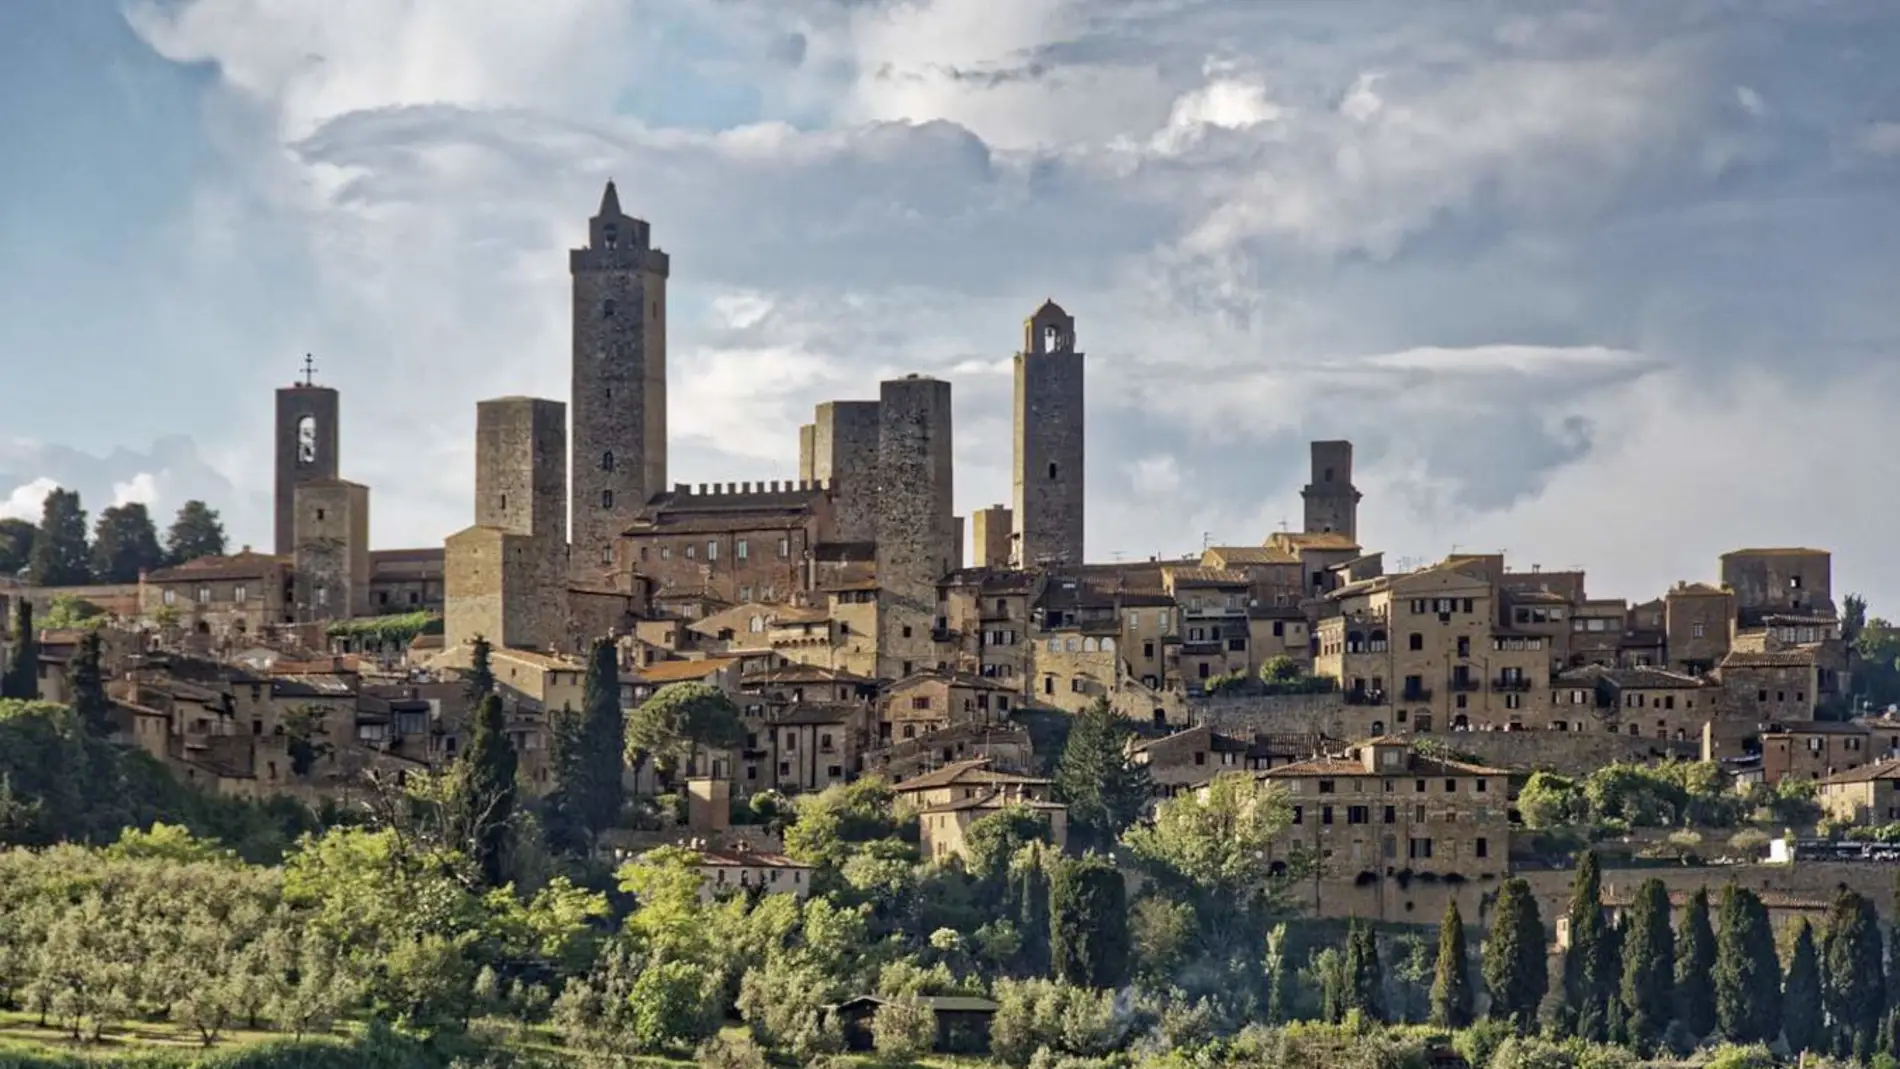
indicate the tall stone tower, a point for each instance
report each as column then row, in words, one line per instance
column 991, row 530
column 1332, row 504
column 331, row 562
column 619, row 389
column 916, row 529
column 506, row 578
column 844, row 441
column 306, row 447
column 1049, row 451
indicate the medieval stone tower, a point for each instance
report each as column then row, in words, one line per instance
column 331, row 560
column 505, row 578
column 839, row 448
column 1049, row 442
column 306, row 446
column 916, row 528
column 619, row 388
column 1332, row 504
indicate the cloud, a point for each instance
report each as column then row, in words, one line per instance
column 163, row 476
column 1568, row 280
column 27, row 500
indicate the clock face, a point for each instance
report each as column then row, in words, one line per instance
column 307, row 440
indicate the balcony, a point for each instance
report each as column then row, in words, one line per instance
column 1464, row 684
column 1416, row 694
column 1365, row 697
column 1512, row 685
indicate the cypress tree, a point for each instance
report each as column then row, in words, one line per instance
column 1279, row 978
column 1105, row 793
column 1649, row 951
column 1893, row 951
column 1747, row 976
column 1589, row 967
column 1514, row 965
column 1451, row 985
column 487, row 785
column 1695, row 968
column 590, row 754
column 124, row 544
column 60, row 554
column 480, row 682
column 1801, row 1011
column 1856, row 990
column 89, row 686
column 22, row 676
column 1365, row 976
column 1088, row 923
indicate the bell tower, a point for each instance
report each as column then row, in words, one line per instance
column 306, row 448
column 618, row 403
column 1049, row 447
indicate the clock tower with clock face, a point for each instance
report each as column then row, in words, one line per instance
column 306, row 448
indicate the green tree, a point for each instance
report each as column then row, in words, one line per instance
column 89, row 686
column 903, row 1029
column 1649, row 951
column 60, row 554
column 1552, row 801
column 1451, row 986
column 589, row 750
column 1104, row 791
column 16, row 545
column 1893, row 953
column 485, row 789
column 22, row 677
column 1216, row 842
column 1088, row 923
column 1747, row 976
column 1695, row 967
column 1802, row 1014
column 1856, row 988
column 479, row 683
column 994, row 841
column 678, row 721
column 1280, row 971
column 70, row 613
column 675, row 1005
column 195, row 532
column 1589, row 978
column 124, row 544
column 1365, row 975
column 1515, row 971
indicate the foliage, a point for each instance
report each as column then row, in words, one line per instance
column 1648, row 983
column 1551, row 801
column 1088, row 923
column 1161, row 933
column 16, row 545
column 1589, row 976
column 195, row 532
column 1747, row 976
column 1451, row 984
column 841, row 822
column 60, row 554
column 1802, row 1012
column 1104, row 791
column 1216, row 841
column 21, row 680
column 903, row 1028
column 1514, row 968
column 479, row 682
column 485, row 789
column 70, row 612
column 1695, row 967
column 90, row 702
column 1032, row 1015
column 125, row 543
column 588, row 751
column 395, row 630
column 1365, row 976
column 675, row 1005
column 1856, row 989
column 992, row 842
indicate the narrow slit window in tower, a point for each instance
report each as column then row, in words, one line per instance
column 607, row 308
column 1051, row 340
column 1052, row 470
column 607, row 461
column 606, row 499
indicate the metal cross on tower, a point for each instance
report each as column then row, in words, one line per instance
column 309, row 370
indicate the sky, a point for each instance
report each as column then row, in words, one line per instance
column 1606, row 285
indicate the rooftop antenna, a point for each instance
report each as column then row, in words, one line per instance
column 1283, row 526
column 309, row 370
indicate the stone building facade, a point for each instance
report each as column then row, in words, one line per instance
column 916, row 535
column 1332, row 503
column 733, row 543
column 1698, row 620
column 990, row 532
column 619, row 379
column 505, row 578
column 843, row 457
column 220, row 598
column 1778, row 581
column 331, row 565
column 1049, row 436
column 307, row 437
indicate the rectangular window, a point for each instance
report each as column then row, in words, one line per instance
column 692, row 552
column 712, row 551
column 784, row 548
column 1391, row 814
column 237, row 592
column 1299, row 814
column 740, row 549
column 1484, row 848
column 1326, row 814
column 1358, row 814
column 204, row 595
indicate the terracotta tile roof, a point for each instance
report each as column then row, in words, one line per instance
column 681, row 671
column 1236, row 556
column 748, row 859
column 1417, row 764
column 955, row 679
column 1819, row 727
column 1646, row 678
column 1316, row 540
column 238, row 566
column 994, row 800
column 547, row 662
column 1194, row 575
column 804, row 673
column 1879, row 770
column 1696, row 589
column 1768, row 659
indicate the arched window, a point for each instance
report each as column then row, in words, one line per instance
column 1108, row 645
column 758, row 624
column 1378, row 728
column 1089, row 645
column 607, row 461
column 606, row 499
column 1461, row 722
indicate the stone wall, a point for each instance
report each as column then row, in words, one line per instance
column 1809, row 879
column 299, row 461
column 1330, row 501
column 844, row 441
column 331, row 572
column 916, row 536
column 619, row 378
column 1049, row 442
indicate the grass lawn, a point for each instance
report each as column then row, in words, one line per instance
column 23, row 1029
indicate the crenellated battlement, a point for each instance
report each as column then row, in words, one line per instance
column 684, row 493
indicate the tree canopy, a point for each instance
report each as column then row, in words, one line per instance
column 125, row 544
column 195, row 532
column 60, row 554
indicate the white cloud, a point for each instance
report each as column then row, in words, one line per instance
column 141, row 487
column 27, row 500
